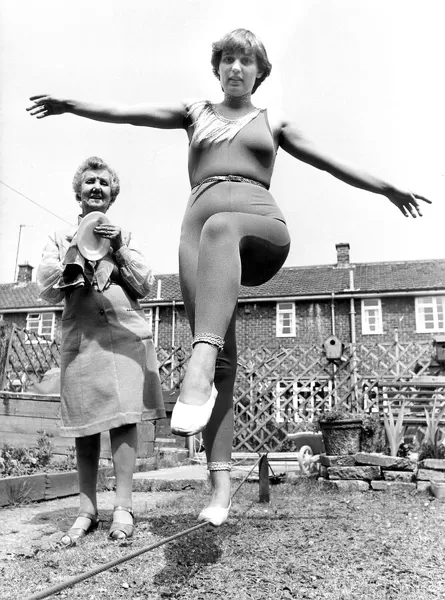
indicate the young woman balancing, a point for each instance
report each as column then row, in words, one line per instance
column 233, row 232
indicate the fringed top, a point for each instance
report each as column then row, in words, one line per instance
column 211, row 127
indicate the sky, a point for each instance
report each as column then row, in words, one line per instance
column 363, row 79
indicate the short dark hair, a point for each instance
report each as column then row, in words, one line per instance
column 94, row 163
column 242, row 39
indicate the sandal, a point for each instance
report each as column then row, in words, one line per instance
column 124, row 528
column 73, row 535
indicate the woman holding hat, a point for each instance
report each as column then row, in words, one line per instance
column 109, row 376
column 233, row 232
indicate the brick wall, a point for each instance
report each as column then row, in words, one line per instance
column 20, row 320
column 398, row 313
column 256, row 323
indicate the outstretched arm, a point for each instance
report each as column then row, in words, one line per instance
column 146, row 115
column 293, row 142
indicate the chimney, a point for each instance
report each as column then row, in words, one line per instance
column 342, row 254
column 25, row 273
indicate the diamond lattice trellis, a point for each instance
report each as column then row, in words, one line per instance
column 275, row 389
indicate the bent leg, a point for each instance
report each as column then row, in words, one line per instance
column 229, row 247
column 213, row 263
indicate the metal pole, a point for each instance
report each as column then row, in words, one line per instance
column 172, row 364
column 17, row 255
column 353, row 362
column 397, row 351
column 190, row 440
column 333, row 313
column 264, row 479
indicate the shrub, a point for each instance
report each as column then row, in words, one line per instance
column 16, row 461
column 45, row 448
column 336, row 414
column 68, row 462
column 373, row 434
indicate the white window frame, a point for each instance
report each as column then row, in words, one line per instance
column 148, row 314
column 437, row 313
column 366, row 314
column 285, row 311
column 36, row 317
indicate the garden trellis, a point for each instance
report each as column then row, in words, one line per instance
column 275, row 388
column 25, row 357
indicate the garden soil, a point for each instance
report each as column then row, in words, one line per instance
column 26, row 529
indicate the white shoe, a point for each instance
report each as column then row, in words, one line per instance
column 215, row 515
column 189, row 419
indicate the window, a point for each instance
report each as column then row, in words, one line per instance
column 430, row 314
column 285, row 319
column 372, row 316
column 41, row 324
column 148, row 312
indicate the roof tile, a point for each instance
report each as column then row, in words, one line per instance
column 422, row 275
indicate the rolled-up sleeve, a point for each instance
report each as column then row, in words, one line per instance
column 134, row 269
column 49, row 272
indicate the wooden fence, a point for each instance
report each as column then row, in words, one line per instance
column 275, row 389
column 26, row 407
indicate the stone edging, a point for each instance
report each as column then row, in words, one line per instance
column 369, row 471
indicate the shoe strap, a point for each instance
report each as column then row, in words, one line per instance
column 128, row 509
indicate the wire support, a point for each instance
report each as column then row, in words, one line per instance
column 78, row 578
column 113, row 563
column 246, row 477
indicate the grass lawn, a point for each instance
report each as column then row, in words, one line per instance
column 307, row 543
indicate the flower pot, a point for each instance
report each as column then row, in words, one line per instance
column 438, row 489
column 342, row 436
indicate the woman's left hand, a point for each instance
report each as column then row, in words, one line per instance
column 112, row 233
column 406, row 202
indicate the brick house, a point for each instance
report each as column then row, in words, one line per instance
column 363, row 302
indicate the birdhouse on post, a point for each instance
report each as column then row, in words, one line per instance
column 333, row 348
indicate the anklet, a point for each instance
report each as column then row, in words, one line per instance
column 209, row 338
column 219, row 466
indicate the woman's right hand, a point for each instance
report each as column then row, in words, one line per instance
column 45, row 105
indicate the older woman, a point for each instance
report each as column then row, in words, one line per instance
column 109, row 377
column 233, row 232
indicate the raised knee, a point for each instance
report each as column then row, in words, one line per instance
column 217, row 226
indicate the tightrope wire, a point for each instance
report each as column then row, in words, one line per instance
column 76, row 579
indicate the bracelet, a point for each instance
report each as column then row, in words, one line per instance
column 219, row 466
column 209, row 338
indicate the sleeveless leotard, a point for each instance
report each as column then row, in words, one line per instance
column 243, row 147
column 232, row 233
